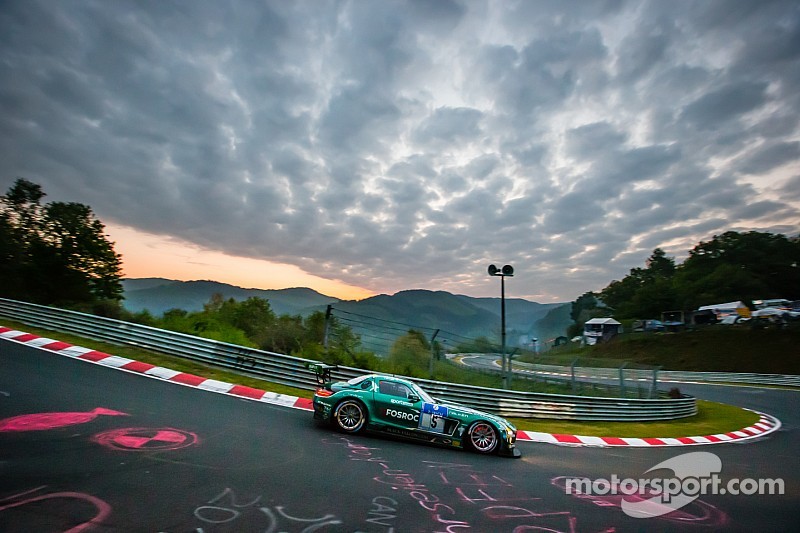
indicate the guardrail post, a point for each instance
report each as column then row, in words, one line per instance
column 510, row 369
column 572, row 367
column 328, row 311
column 654, row 385
column 622, row 380
column 433, row 354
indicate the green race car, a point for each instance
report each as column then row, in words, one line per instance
column 400, row 407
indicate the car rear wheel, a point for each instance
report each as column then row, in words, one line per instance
column 350, row 416
column 483, row 437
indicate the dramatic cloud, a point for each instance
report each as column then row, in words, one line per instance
column 398, row 145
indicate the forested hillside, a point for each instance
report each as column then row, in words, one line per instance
column 158, row 295
column 730, row 267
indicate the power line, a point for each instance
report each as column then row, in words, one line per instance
column 380, row 333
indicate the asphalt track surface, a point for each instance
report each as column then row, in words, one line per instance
column 117, row 451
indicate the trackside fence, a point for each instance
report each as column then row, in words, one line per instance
column 625, row 380
column 291, row 371
column 663, row 376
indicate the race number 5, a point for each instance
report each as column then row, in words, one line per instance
column 431, row 416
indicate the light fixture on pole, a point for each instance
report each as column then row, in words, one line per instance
column 507, row 270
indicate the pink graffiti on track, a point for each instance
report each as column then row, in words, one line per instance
column 25, row 498
column 146, row 439
column 45, row 421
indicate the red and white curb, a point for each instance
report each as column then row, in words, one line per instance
column 765, row 425
column 153, row 371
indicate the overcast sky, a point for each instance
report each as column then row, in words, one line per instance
column 399, row 145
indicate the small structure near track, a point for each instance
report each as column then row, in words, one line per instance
column 599, row 330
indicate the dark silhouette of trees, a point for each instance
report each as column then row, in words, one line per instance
column 740, row 266
column 55, row 253
column 730, row 267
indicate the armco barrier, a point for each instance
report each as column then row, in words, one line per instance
column 677, row 376
column 291, row 371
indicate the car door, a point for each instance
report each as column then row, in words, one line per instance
column 397, row 404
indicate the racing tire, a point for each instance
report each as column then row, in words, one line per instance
column 483, row 437
column 350, row 416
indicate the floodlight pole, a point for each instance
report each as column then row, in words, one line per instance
column 503, row 328
column 507, row 270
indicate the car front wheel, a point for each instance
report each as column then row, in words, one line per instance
column 483, row 437
column 350, row 416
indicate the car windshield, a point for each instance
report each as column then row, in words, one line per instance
column 424, row 396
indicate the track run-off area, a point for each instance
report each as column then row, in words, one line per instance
column 88, row 447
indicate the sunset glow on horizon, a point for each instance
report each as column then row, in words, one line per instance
column 145, row 255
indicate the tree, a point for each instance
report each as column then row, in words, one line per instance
column 20, row 234
column 644, row 292
column 586, row 307
column 56, row 253
column 585, row 302
column 659, row 266
column 410, row 355
column 77, row 239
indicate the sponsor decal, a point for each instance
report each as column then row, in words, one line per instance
column 401, row 402
column 434, row 409
column 402, row 415
column 402, row 432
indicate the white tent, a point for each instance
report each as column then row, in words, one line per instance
column 609, row 321
column 730, row 307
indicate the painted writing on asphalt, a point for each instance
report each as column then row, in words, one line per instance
column 91, row 515
column 383, row 512
column 461, row 498
column 227, row 508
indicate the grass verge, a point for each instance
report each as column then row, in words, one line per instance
column 712, row 417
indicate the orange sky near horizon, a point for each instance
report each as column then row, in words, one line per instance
column 146, row 255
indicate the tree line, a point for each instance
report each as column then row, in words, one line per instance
column 55, row 253
column 732, row 266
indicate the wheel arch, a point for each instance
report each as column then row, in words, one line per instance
column 498, row 435
column 354, row 398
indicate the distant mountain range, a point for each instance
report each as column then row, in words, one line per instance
column 158, row 295
column 461, row 315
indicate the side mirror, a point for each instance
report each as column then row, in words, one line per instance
column 413, row 398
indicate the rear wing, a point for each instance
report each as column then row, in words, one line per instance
column 322, row 372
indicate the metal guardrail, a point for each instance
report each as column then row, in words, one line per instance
column 288, row 370
column 676, row 376
column 617, row 382
column 786, row 380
